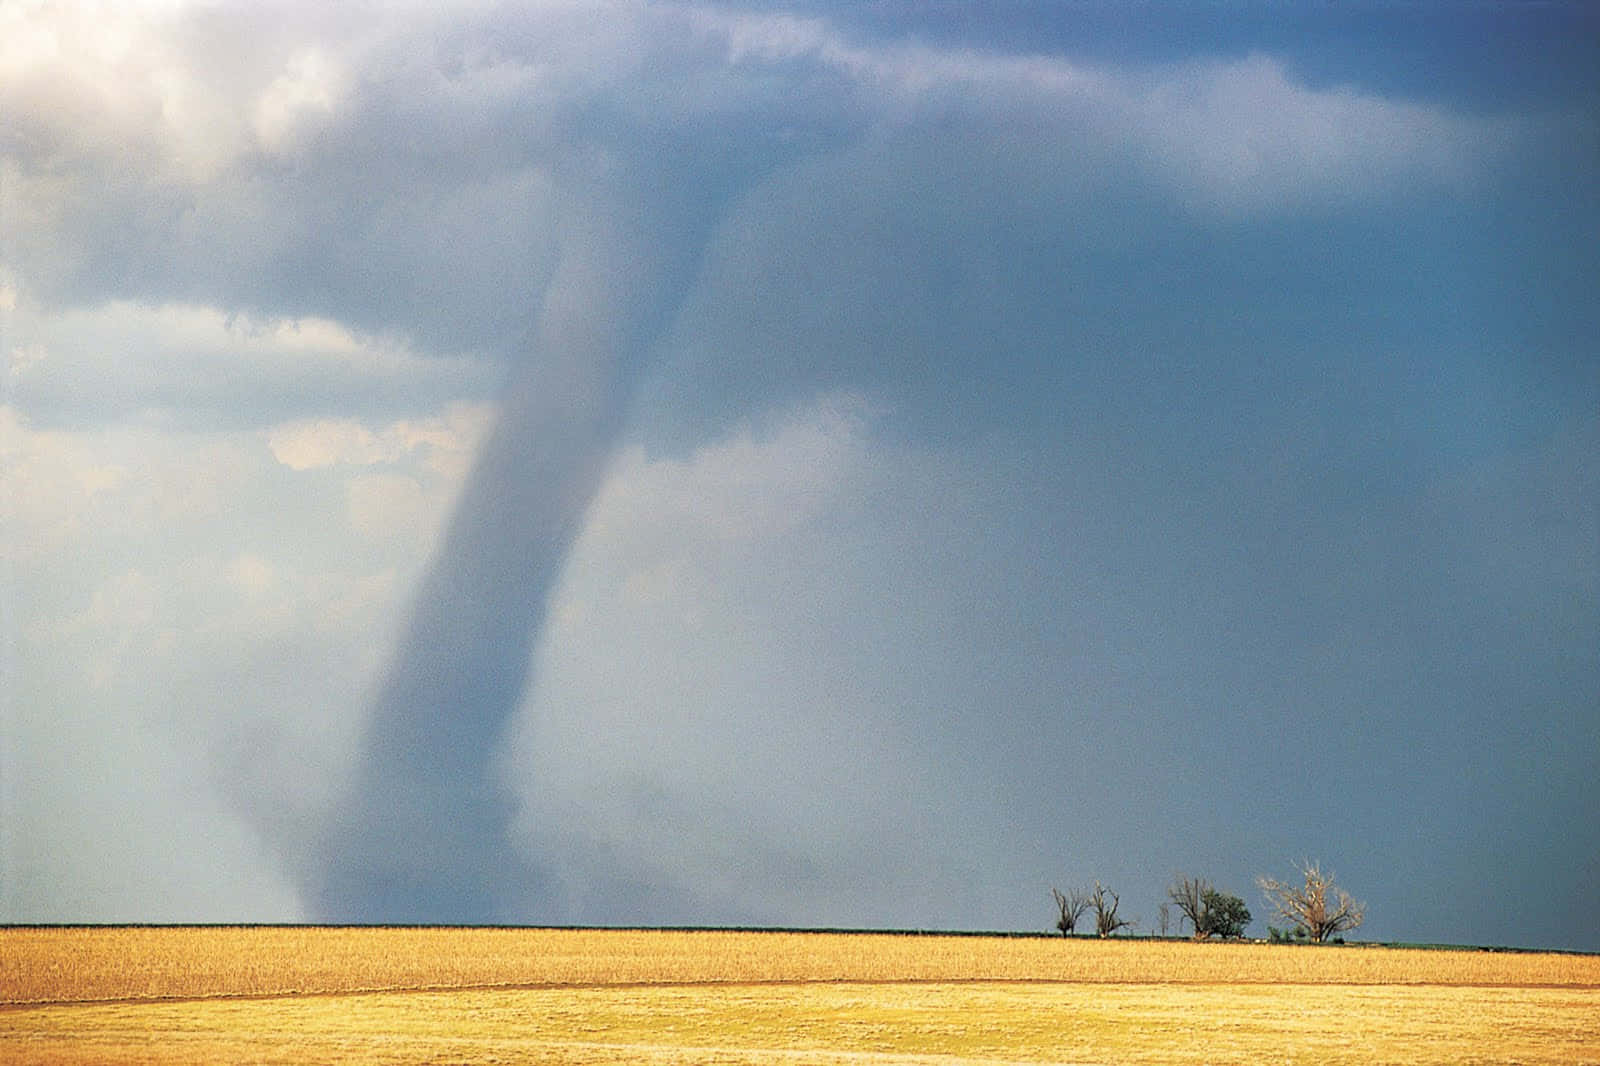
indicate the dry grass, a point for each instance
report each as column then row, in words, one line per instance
column 59, row 965
column 551, row 996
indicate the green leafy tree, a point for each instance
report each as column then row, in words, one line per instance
column 1225, row 916
column 1208, row 912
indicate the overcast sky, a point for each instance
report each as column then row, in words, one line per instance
column 851, row 465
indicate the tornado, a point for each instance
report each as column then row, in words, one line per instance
column 420, row 833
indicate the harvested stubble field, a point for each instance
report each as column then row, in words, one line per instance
column 302, row 994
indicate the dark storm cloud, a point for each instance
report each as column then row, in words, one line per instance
column 631, row 220
column 1213, row 487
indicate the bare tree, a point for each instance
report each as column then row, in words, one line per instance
column 1104, row 901
column 1164, row 917
column 1188, row 894
column 1321, row 907
column 1071, row 905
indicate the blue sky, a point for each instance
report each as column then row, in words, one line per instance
column 808, row 465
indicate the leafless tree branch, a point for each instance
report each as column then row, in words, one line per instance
column 1104, row 901
column 1320, row 906
column 1188, row 894
column 1071, row 905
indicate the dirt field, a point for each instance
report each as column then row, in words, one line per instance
column 297, row 995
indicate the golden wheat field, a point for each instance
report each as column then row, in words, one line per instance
column 324, row 995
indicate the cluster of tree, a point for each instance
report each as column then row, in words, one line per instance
column 1209, row 913
column 1317, row 908
column 1074, row 904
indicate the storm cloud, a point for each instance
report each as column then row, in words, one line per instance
column 672, row 463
